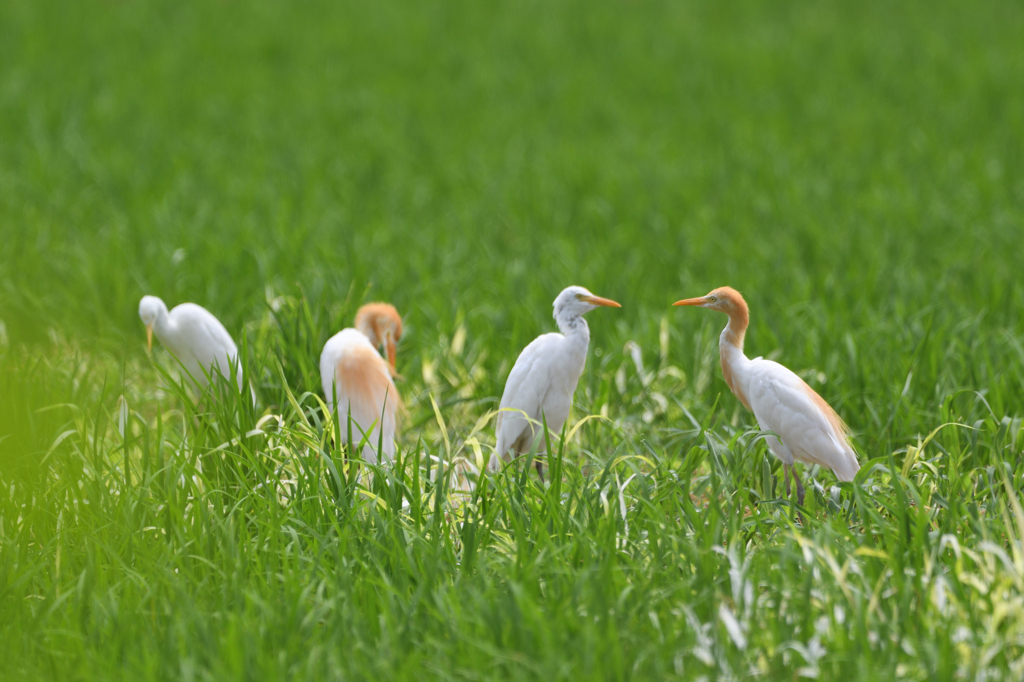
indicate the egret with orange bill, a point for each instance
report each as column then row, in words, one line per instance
column 808, row 429
column 353, row 371
column 543, row 380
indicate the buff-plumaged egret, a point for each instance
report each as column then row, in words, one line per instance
column 808, row 429
column 353, row 371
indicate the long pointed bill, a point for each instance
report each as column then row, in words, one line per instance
column 390, row 347
column 149, row 337
column 691, row 301
column 597, row 300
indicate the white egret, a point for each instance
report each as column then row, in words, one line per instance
column 542, row 382
column 196, row 338
column 352, row 369
column 810, row 430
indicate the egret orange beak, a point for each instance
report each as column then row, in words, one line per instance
column 597, row 300
column 149, row 337
column 389, row 345
column 691, row 301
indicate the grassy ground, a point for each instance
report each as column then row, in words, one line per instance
column 855, row 169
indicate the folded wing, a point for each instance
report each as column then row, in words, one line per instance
column 784, row 404
column 359, row 378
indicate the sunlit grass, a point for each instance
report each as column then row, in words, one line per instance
column 855, row 170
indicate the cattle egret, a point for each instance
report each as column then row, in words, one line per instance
column 544, row 378
column 196, row 338
column 352, row 369
column 783, row 403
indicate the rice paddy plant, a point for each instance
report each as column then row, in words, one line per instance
column 854, row 169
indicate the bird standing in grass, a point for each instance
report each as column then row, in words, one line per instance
column 196, row 338
column 543, row 380
column 353, row 371
column 809, row 429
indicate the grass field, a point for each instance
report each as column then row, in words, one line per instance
column 855, row 168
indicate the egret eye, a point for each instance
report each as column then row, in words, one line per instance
column 579, row 297
column 712, row 299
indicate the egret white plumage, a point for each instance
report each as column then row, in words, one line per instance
column 810, row 430
column 352, row 369
column 542, row 382
column 196, row 338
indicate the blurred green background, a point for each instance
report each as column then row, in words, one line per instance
column 853, row 168
column 851, row 155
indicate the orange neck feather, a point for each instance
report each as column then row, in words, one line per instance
column 739, row 319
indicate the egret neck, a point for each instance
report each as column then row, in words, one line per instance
column 577, row 337
column 162, row 324
column 730, row 349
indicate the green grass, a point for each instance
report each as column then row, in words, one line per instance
column 855, row 169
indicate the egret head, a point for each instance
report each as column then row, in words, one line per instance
column 150, row 308
column 382, row 324
column 723, row 299
column 576, row 301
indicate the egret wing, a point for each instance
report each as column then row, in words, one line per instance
column 784, row 404
column 209, row 344
column 525, row 389
column 353, row 371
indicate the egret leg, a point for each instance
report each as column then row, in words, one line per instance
column 785, row 468
column 540, row 469
column 494, row 463
column 799, row 489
